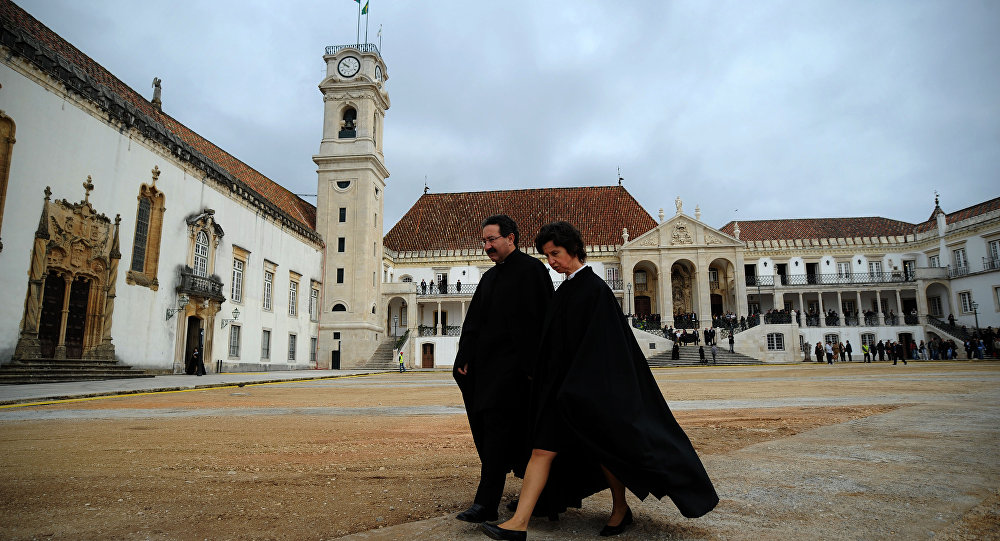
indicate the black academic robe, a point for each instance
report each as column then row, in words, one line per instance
column 594, row 377
column 500, row 337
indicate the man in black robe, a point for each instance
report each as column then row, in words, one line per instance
column 496, row 356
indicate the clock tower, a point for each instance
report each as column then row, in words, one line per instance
column 352, row 173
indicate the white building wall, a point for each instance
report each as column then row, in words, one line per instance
column 60, row 143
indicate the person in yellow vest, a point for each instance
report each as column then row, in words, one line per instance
column 401, row 367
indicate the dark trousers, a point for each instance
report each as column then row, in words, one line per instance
column 849, row 359
column 500, row 443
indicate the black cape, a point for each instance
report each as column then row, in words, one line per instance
column 500, row 337
column 594, row 376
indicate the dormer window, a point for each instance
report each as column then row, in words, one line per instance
column 349, row 124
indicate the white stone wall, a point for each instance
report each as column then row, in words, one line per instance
column 60, row 141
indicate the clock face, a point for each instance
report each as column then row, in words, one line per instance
column 378, row 73
column 349, row 66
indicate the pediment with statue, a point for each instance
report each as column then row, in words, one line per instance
column 683, row 231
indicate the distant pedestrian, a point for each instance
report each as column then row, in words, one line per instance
column 701, row 354
column 401, row 367
column 867, row 350
column 199, row 363
column 848, row 349
column 732, row 342
column 715, row 351
column 829, row 353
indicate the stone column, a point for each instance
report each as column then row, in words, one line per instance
column 822, row 311
column 899, row 307
column 704, row 295
column 439, row 327
column 28, row 346
column 840, row 308
column 61, row 348
column 878, row 307
column 857, row 308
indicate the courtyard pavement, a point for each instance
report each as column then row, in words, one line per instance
column 910, row 473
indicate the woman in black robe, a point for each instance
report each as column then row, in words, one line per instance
column 600, row 420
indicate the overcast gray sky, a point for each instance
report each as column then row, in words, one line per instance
column 781, row 109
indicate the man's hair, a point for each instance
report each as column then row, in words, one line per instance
column 507, row 226
column 562, row 234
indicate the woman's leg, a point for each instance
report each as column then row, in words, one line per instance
column 618, row 505
column 535, row 476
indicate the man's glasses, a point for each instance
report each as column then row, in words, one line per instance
column 490, row 240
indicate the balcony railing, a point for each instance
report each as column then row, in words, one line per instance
column 200, row 286
column 991, row 263
column 470, row 289
column 363, row 47
column 832, row 279
column 956, row 271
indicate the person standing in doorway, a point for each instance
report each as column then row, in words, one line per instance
column 497, row 353
column 199, row 363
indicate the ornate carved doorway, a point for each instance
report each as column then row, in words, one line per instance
column 76, row 318
column 51, row 318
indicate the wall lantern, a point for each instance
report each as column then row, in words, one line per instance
column 182, row 301
column 236, row 316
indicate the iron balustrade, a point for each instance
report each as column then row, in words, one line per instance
column 427, row 290
column 957, row 271
column 871, row 320
column 911, row 319
column 200, row 286
column 426, row 330
column 777, row 318
column 851, row 321
column 453, row 330
column 832, row 320
column 991, row 263
column 755, row 281
column 812, row 321
column 845, row 279
column 954, row 330
column 363, row 47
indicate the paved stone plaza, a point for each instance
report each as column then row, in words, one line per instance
column 920, row 465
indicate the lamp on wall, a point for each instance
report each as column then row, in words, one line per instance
column 182, row 301
column 236, row 316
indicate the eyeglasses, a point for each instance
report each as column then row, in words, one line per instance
column 490, row 240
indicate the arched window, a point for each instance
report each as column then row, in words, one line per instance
column 141, row 232
column 201, row 254
column 339, row 307
column 349, row 124
column 146, row 240
column 406, row 278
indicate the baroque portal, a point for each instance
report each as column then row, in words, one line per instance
column 69, row 304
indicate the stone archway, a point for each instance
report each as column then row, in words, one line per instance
column 69, row 303
column 683, row 279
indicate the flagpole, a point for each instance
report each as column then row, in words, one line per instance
column 358, row 39
column 367, row 14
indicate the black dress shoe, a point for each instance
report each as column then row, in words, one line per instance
column 627, row 521
column 496, row 532
column 477, row 513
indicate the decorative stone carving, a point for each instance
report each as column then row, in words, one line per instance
column 651, row 240
column 681, row 234
column 712, row 239
column 625, row 235
column 679, row 204
column 74, row 242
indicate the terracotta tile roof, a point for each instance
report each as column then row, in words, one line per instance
column 450, row 221
column 42, row 47
column 819, row 228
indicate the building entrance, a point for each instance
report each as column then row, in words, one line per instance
column 50, row 321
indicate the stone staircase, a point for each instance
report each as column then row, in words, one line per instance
column 62, row 370
column 382, row 358
column 689, row 357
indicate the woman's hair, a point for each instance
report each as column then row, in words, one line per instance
column 562, row 234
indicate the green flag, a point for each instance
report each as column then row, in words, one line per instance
column 364, row 10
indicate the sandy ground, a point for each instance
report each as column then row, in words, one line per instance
column 327, row 458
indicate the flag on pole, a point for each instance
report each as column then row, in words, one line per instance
column 364, row 10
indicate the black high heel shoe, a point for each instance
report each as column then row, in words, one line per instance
column 496, row 532
column 627, row 521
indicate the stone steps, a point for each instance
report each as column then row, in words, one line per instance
column 63, row 370
column 689, row 357
column 382, row 359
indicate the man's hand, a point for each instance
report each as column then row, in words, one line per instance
column 464, row 369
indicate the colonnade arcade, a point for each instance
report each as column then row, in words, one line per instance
column 706, row 290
